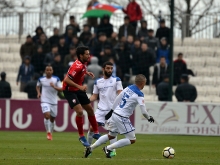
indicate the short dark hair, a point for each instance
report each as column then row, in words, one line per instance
column 72, row 17
column 127, row 17
column 48, row 65
column 3, row 75
column 150, row 31
column 162, row 57
column 106, row 63
column 81, row 50
column 180, row 54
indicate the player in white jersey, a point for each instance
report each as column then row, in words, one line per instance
column 119, row 122
column 50, row 85
column 107, row 88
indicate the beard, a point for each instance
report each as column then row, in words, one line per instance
column 107, row 74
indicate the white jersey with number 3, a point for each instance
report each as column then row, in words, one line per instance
column 131, row 96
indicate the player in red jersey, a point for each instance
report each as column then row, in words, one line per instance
column 75, row 93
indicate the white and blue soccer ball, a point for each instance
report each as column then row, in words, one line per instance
column 168, row 152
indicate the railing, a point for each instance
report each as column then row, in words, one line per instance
column 196, row 26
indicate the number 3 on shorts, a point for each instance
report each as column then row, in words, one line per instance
column 123, row 102
column 44, row 108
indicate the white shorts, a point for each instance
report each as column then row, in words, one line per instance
column 117, row 124
column 100, row 116
column 49, row 108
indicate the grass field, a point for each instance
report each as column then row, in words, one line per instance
column 32, row 148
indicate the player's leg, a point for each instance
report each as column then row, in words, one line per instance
column 46, row 111
column 111, row 142
column 53, row 114
column 75, row 104
column 85, row 102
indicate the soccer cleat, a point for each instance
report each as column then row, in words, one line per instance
column 84, row 141
column 113, row 153
column 107, row 152
column 96, row 136
column 87, row 152
column 49, row 136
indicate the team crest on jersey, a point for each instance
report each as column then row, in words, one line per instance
column 73, row 73
column 74, row 101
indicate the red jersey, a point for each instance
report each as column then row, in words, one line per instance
column 76, row 73
column 134, row 12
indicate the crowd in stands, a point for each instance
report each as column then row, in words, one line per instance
column 132, row 50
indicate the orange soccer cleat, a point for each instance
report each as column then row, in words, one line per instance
column 49, row 136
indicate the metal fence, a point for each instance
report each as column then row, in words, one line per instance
column 21, row 24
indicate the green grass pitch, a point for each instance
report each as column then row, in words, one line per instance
column 32, row 148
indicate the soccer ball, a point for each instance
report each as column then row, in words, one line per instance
column 168, row 152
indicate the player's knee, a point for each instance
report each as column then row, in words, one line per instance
column 91, row 129
column 132, row 141
column 47, row 116
column 111, row 137
column 79, row 113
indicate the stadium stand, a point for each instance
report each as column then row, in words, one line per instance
column 201, row 55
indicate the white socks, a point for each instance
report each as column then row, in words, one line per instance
column 119, row 144
column 113, row 140
column 89, row 137
column 51, row 126
column 103, row 139
column 47, row 124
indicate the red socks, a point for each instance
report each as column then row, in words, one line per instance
column 93, row 123
column 79, row 123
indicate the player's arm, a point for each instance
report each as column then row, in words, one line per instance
column 119, row 86
column 58, row 88
column 90, row 74
column 143, row 109
column 38, row 90
column 93, row 97
column 71, row 83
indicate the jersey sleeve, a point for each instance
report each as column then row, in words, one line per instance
column 118, row 84
column 59, row 84
column 140, row 100
column 73, row 71
column 95, row 88
column 38, row 82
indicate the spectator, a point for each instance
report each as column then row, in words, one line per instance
column 44, row 43
column 163, row 89
column 30, row 88
column 69, row 35
column 130, row 42
column 126, row 81
column 58, row 68
column 133, row 10
column 145, row 59
column 113, row 40
column 99, row 45
column 160, row 69
column 126, row 29
column 75, row 41
column 179, row 68
column 92, row 21
column 5, row 88
column 163, row 50
column 143, row 31
column 86, row 35
column 185, row 92
column 39, row 30
column 38, row 61
column 50, row 56
column 70, row 58
column 25, row 73
column 54, row 40
column 123, row 60
column 96, row 70
column 134, row 51
column 27, row 49
column 163, row 31
column 152, row 41
column 108, row 53
column 105, row 26
column 63, row 48
column 73, row 25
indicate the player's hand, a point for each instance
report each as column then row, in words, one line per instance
column 83, row 88
column 91, row 74
column 38, row 95
column 151, row 119
column 52, row 85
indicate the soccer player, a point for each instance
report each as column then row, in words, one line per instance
column 75, row 93
column 119, row 122
column 107, row 88
column 50, row 85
